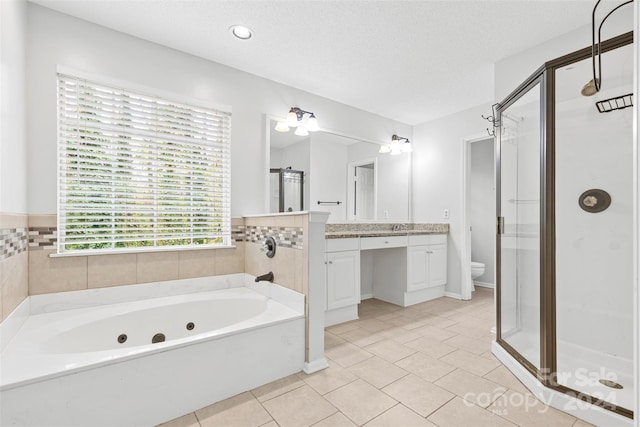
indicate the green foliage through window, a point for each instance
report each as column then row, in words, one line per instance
column 138, row 171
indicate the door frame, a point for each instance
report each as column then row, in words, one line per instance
column 351, row 196
column 466, row 286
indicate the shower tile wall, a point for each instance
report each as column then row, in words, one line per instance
column 61, row 274
column 13, row 262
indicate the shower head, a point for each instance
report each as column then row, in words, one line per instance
column 590, row 88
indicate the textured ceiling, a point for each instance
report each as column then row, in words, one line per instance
column 411, row 61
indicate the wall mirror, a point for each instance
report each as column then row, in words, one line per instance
column 343, row 175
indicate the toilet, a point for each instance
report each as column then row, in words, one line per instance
column 477, row 269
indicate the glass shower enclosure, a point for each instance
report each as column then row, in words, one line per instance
column 287, row 186
column 565, row 220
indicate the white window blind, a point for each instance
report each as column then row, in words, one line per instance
column 139, row 171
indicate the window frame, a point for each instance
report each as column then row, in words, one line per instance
column 224, row 156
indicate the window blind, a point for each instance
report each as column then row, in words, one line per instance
column 139, row 171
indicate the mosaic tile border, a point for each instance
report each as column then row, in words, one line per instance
column 13, row 241
column 286, row 237
column 42, row 238
column 289, row 237
column 238, row 233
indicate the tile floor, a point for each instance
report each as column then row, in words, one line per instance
column 425, row 365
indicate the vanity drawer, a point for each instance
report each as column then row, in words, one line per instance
column 383, row 242
column 437, row 239
column 427, row 239
column 419, row 240
column 339, row 245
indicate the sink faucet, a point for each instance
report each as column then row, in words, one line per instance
column 266, row 277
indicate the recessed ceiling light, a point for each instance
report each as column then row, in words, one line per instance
column 241, row 32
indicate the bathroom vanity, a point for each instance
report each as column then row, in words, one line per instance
column 403, row 264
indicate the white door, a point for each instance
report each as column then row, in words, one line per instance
column 365, row 192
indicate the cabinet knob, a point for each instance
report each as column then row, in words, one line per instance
column 330, row 262
column 386, row 242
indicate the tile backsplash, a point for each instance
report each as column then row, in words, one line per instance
column 288, row 237
column 57, row 274
column 13, row 241
column 42, row 238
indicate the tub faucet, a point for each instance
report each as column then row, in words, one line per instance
column 268, row 277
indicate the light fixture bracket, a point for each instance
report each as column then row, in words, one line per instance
column 294, row 119
column 395, row 137
column 300, row 113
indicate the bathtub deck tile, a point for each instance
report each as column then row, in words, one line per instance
column 242, row 410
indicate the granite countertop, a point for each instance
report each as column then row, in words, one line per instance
column 346, row 231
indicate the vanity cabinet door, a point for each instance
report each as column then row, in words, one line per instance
column 417, row 267
column 343, row 279
column 426, row 266
column 437, row 265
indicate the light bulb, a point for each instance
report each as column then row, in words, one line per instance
column 406, row 147
column 282, row 126
column 292, row 119
column 312, row 123
column 395, row 150
column 301, row 131
column 384, row 149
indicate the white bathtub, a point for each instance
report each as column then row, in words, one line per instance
column 65, row 360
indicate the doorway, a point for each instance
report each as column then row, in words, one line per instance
column 361, row 191
column 479, row 212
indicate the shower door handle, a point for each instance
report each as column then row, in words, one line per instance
column 500, row 225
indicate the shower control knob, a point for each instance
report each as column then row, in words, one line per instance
column 594, row 200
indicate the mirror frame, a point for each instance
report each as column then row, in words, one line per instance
column 268, row 118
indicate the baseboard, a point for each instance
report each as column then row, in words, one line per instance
column 452, row 295
column 315, row 366
column 340, row 315
column 484, row 284
column 365, row 296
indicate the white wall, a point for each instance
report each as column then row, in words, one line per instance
column 54, row 38
column 482, row 208
column 513, row 70
column 13, row 147
column 438, row 178
column 636, row 235
column 594, row 252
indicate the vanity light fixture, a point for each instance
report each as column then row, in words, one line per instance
column 301, row 131
column 241, row 32
column 397, row 146
column 294, row 120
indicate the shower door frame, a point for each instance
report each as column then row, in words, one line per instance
column 281, row 172
column 537, row 78
column 545, row 75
